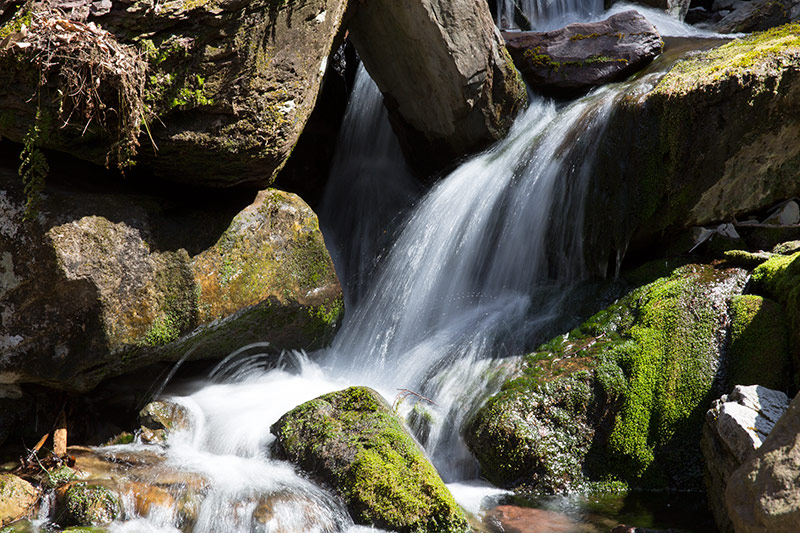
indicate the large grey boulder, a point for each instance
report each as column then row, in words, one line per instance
column 222, row 89
column 735, row 427
column 583, row 55
column 448, row 82
column 764, row 493
column 709, row 142
column 101, row 283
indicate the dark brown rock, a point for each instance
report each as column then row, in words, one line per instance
column 584, row 55
column 448, row 82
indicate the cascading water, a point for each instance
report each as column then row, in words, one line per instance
column 544, row 15
column 477, row 270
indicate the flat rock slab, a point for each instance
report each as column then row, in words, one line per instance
column 584, row 55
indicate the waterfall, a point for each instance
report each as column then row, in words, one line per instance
column 440, row 296
column 368, row 189
column 544, row 15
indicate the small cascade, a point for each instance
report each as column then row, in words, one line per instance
column 369, row 186
column 440, row 301
column 544, row 15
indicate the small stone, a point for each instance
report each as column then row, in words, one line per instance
column 17, row 498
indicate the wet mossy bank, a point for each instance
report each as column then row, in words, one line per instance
column 620, row 401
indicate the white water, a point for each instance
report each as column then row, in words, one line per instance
column 477, row 271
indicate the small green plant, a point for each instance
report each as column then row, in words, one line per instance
column 33, row 168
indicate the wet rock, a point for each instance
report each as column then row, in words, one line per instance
column 620, row 397
column 448, row 82
column 735, row 16
column 291, row 512
column 513, row 519
column 160, row 418
column 82, row 504
column 17, row 498
column 103, row 283
column 735, row 427
column 220, row 113
column 351, row 440
column 764, row 493
column 584, row 55
column 695, row 161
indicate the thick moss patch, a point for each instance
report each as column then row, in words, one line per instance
column 779, row 278
column 620, row 398
column 352, row 440
column 759, row 343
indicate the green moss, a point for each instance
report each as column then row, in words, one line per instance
column 20, row 18
column 352, row 440
column 163, row 331
column 744, row 258
column 88, row 505
column 759, row 347
column 753, row 56
column 626, row 391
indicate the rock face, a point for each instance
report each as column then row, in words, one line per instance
column 620, row 397
column 228, row 85
column 448, row 82
column 100, row 284
column 735, row 428
column 17, row 498
column 763, row 494
column 733, row 16
column 583, row 55
column 689, row 158
column 352, row 440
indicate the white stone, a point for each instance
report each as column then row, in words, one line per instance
column 745, row 417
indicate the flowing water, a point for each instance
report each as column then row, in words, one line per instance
column 440, row 297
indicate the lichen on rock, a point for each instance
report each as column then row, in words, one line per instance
column 352, row 440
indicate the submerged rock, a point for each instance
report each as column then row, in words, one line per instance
column 99, row 284
column 735, row 428
column 448, row 82
column 711, row 141
column 351, row 440
column 228, row 86
column 583, row 55
column 621, row 397
column 764, row 493
column 17, row 498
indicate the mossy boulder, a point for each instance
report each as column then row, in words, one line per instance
column 448, row 81
column 104, row 282
column 620, row 398
column 227, row 87
column 779, row 278
column 17, row 498
column 351, row 440
column 709, row 141
column 83, row 504
column 759, row 343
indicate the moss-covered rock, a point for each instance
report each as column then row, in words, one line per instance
column 228, row 86
column 100, row 284
column 83, row 504
column 759, row 343
column 779, row 278
column 620, row 398
column 17, row 498
column 352, row 440
column 708, row 142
